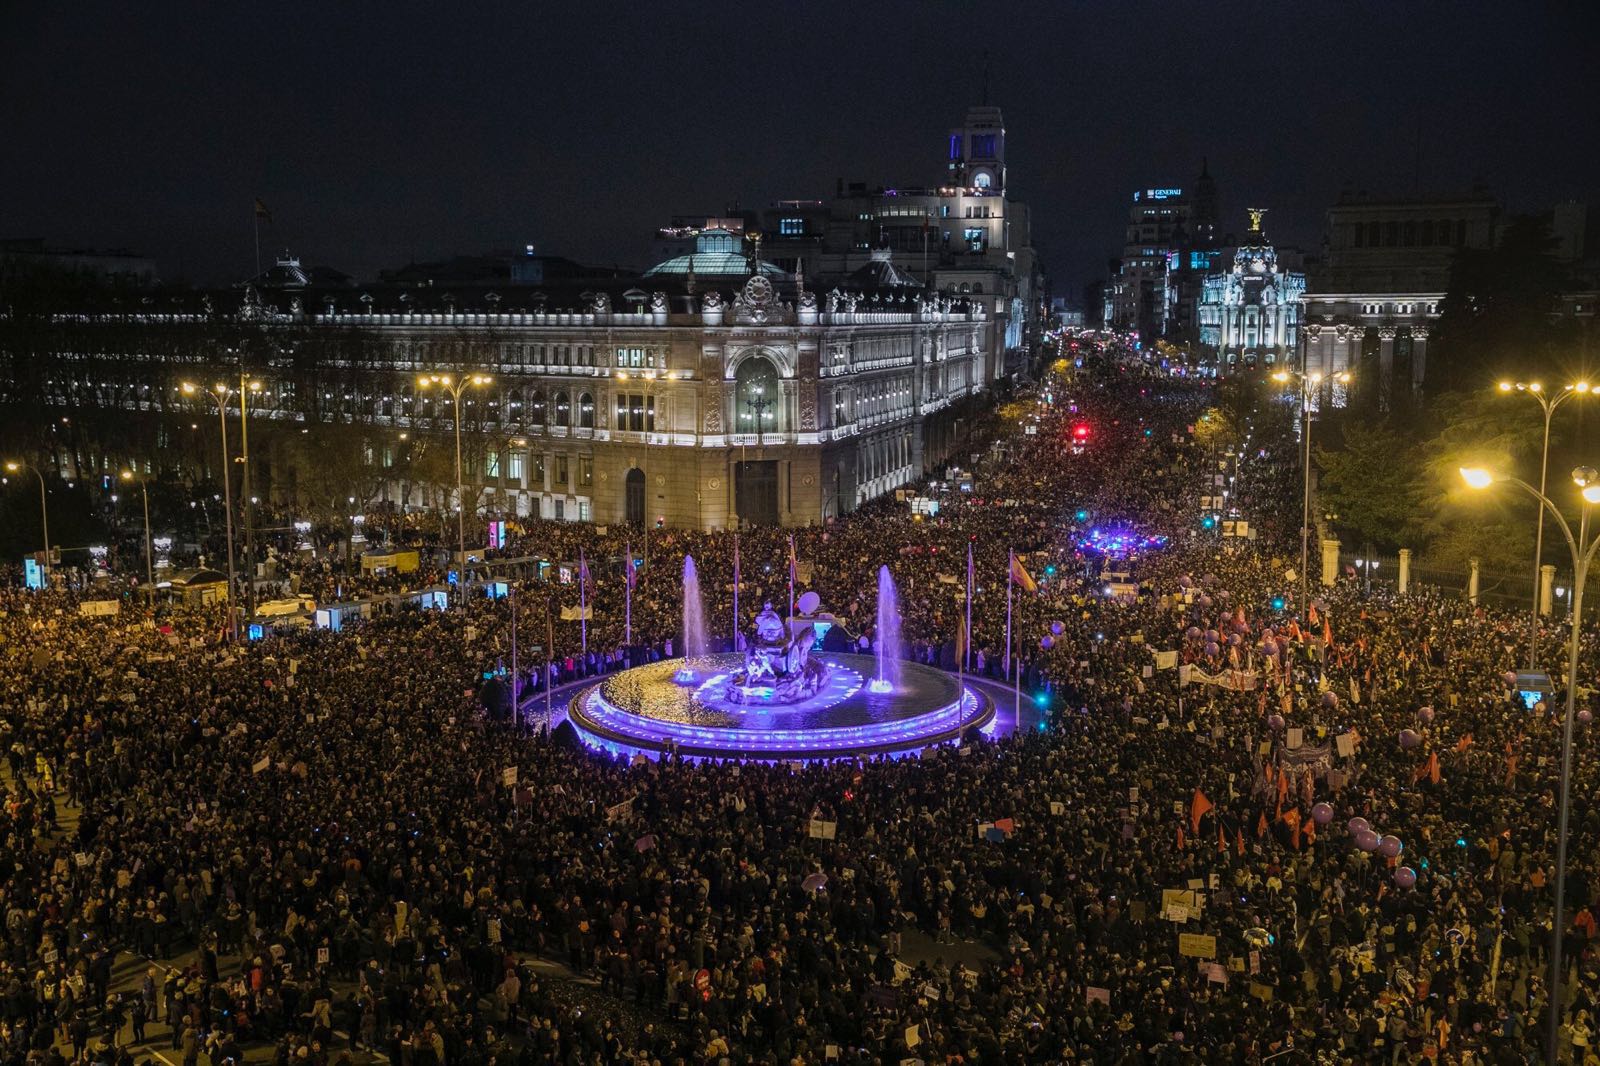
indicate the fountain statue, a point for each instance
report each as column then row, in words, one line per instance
column 888, row 678
column 778, row 667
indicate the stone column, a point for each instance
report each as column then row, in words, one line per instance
column 1405, row 570
column 1330, row 561
column 1386, row 335
column 1547, row 585
column 1312, row 349
column 1419, row 356
column 1472, row 582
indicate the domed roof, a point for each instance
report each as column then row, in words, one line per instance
column 716, row 255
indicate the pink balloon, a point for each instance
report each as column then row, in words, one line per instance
column 1322, row 814
column 1330, row 699
column 1425, row 714
column 1047, row 642
column 1367, row 840
column 1275, row 721
column 1510, row 677
column 1390, row 847
column 1357, row 826
column 1405, row 877
column 1586, row 716
column 1409, row 738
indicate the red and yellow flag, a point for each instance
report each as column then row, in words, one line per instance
column 1020, row 575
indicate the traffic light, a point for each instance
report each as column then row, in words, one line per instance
column 1209, row 522
column 1080, row 432
column 1278, row 603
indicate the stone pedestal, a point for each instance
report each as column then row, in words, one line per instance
column 1405, row 570
column 1547, row 585
column 1330, row 561
column 1472, row 583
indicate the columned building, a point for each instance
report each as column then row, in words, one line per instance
column 1373, row 299
column 702, row 411
column 1250, row 315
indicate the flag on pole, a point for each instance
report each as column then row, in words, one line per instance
column 1020, row 575
column 1198, row 806
column 967, row 665
column 583, row 601
column 794, row 566
column 961, row 642
column 262, row 214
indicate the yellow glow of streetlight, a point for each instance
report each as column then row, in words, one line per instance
column 127, row 475
column 1535, row 387
column 1506, row 386
column 13, row 467
column 1477, row 477
column 187, row 388
column 1580, row 387
column 1591, row 493
column 1342, row 377
column 1282, row 375
column 1316, row 379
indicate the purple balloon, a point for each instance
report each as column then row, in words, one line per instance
column 1405, row 877
column 1409, row 738
column 1322, row 813
column 1275, row 721
column 1185, row 581
column 1357, row 825
column 1224, row 595
column 1234, row 640
column 1586, row 716
column 1058, row 628
column 1269, row 649
column 1330, row 699
column 1268, row 633
column 1205, row 601
column 1193, row 633
column 1425, row 714
column 1510, row 678
column 1213, row 636
column 1211, row 650
column 1047, row 642
column 1389, row 846
column 1367, row 840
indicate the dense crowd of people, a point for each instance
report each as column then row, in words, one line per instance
column 308, row 842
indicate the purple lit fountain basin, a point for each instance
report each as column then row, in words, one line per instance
column 646, row 709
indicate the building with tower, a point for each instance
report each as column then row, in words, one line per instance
column 1169, row 248
column 1249, row 314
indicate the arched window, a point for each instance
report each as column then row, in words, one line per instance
column 585, row 410
column 536, row 407
column 514, row 408
column 757, row 397
column 563, row 416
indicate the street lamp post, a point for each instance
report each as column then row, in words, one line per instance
column 149, row 545
column 1583, row 553
column 246, row 387
column 1308, row 382
column 219, row 395
column 1549, row 405
column 455, row 387
column 44, row 512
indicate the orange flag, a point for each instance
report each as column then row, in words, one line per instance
column 1291, row 818
column 1433, row 768
column 1464, row 743
column 1327, row 632
column 1241, row 843
column 1180, row 838
column 1261, row 826
column 1222, row 840
column 1198, row 806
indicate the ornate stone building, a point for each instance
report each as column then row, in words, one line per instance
column 690, row 410
column 1250, row 315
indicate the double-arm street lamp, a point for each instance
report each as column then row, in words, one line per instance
column 1309, row 384
column 44, row 509
column 455, row 386
column 149, row 545
column 219, row 395
column 1548, row 403
column 1583, row 553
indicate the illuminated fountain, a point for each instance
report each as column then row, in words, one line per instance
column 782, row 698
column 888, row 678
column 694, row 623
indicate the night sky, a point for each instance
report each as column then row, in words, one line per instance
column 379, row 133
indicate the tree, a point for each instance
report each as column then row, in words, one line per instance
column 1498, row 317
column 1371, row 484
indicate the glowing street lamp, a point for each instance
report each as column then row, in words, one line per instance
column 149, row 545
column 44, row 510
column 1548, row 404
column 219, row 395
column 1583, row 554
column 1309, row 383
column 454, row 387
